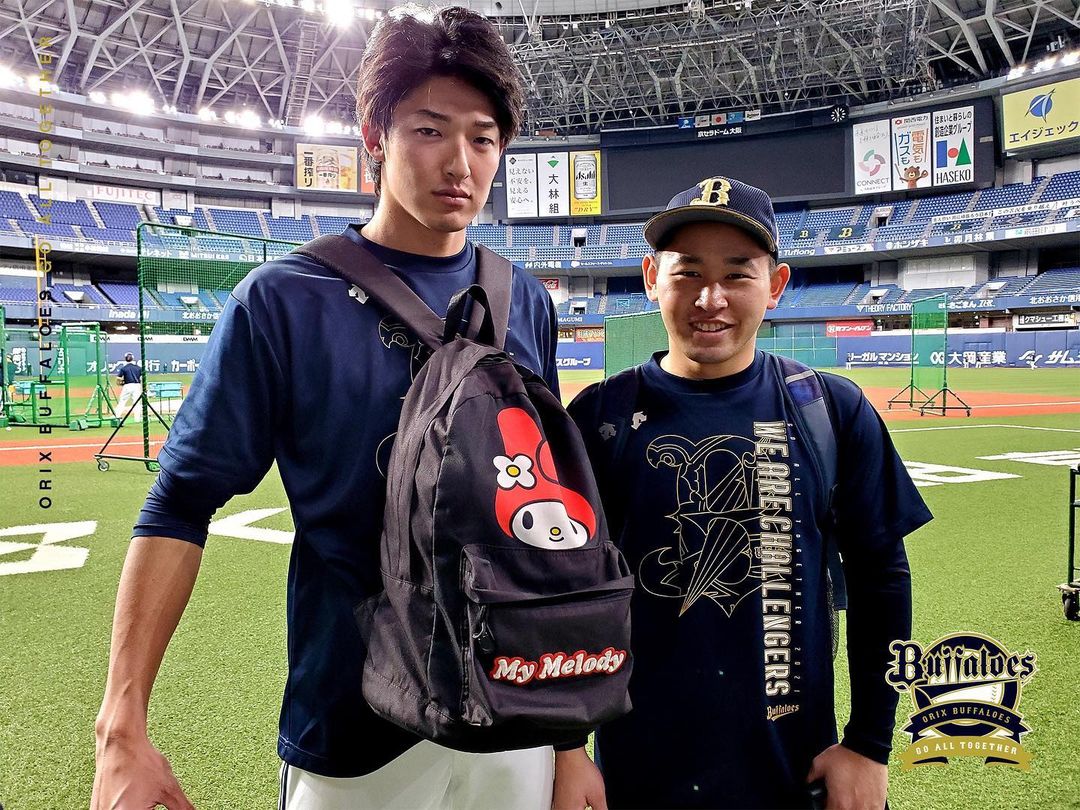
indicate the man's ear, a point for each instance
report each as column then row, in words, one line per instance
column 373, row 140
column 649, row 268
column 777, row 282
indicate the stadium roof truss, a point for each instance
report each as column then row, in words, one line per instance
column 587, row 63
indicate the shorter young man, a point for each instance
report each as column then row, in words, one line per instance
column 717, row 501
column 130, row 377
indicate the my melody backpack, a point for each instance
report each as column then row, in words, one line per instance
column 504, row 621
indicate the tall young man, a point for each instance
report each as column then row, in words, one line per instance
column 723, row 520
column 302, row 373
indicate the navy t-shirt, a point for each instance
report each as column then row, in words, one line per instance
column 732, row 685
column 129, row 373
column 301, row 372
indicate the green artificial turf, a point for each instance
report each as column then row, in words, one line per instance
column 989, row 563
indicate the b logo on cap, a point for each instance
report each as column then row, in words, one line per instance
column 714, row 191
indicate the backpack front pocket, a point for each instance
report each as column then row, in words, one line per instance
column 560, row 661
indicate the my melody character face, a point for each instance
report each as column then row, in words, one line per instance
column 530, row 504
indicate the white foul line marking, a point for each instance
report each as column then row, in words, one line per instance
column 71, row 446
column 978, row 427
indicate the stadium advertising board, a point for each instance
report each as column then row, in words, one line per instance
column 870, row 154
column 124, row 194
column 954, row 146
column 847, row 329
column 1047, row 348
column 911, row 151
column 1041, row 320
column 585, row 189
column 320, row 167
column 554, row 179
column 1040, row 115
column 538, row 184
column 914, row 151
column 521, row 189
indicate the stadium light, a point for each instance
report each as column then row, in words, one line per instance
column 1017, row 72
column 1070, row 58
column 206, row 114
column 338, row 12
column 307, row 5
column 35, row 84
column 97, row 97
column 1045, row 64
column 313, row 125
column 8, row 78
column 248, row 119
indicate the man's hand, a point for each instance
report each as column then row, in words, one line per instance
column 133, row 775
column 578, row 782
column 852, row 781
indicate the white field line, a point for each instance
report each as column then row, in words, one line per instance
column 70, row 446
column 979, row 427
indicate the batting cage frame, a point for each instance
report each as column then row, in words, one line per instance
column 188, row 271
column 40, row 408
column 929, row 368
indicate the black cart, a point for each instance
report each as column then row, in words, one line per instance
column 1070, row 588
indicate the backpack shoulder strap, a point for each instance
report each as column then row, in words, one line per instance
column 496, row 275
column 358, row 266
column 805, row 390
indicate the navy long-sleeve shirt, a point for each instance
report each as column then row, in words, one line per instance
column 300, row 372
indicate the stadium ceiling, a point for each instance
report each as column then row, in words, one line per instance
column 587, row 64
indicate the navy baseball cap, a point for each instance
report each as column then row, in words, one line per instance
column 718, row 199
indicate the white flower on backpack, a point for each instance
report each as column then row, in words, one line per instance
column 514, row 472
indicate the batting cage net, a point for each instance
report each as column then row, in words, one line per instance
column 929, row 335
column 185, row 276
column 631, row 339
column 59, row 380
column 928, row 385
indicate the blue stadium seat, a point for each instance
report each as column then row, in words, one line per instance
column 332, row 225
column 108, row 235
column 167, row 216
column 89, row 294
column 124, row 295
column 825, row 295
column 1063, row 280
column 1005, row 196
column 929, row 292
column 18, row 295
column 55, row 229
column 289, row 229
column 120, row 216
column 62, row 212
column 830, row 218
column 940, row 205
column 242, row 222
column 13, row 206
column 529, row 236
column 1062, row 186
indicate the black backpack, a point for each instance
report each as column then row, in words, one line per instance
column 505, row 617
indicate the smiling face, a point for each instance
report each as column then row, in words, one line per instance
column 546, row 524
column 438, row 158
column 713, row 283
